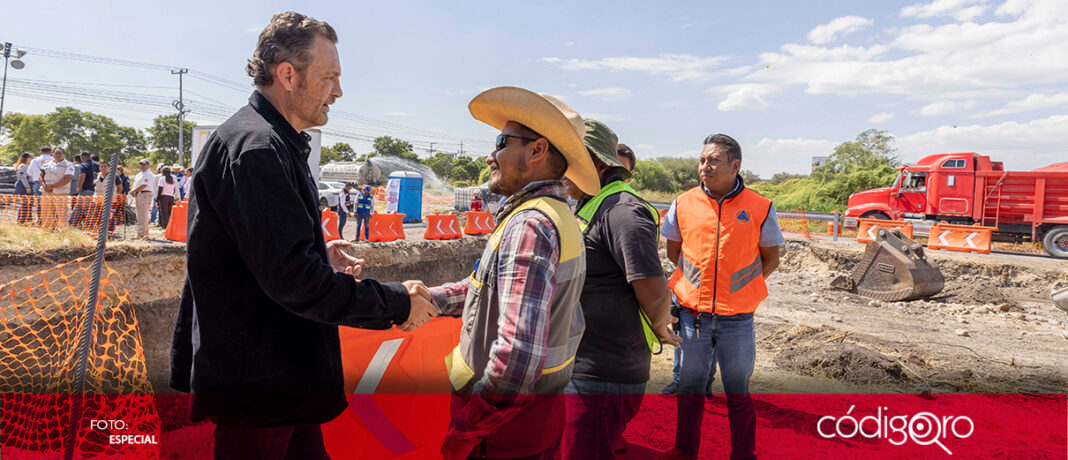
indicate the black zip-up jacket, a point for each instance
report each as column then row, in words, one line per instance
column 256, row 340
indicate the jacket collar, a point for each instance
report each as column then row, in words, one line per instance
column 300, row 140
column 550, row 188
column 739, row 185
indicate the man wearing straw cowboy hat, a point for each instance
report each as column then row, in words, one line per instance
column 520, row 306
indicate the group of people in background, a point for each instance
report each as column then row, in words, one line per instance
column 356, row 204
column 50, row 174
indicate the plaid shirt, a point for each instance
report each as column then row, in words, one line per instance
column 526, row 266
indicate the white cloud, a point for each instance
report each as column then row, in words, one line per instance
column 826, row 33
column 1028, row 50
column 398, row 114
column 1032, row 102
column 613, row 93
column 1043, row 138
column 569, row 44
column 742, row 97
column 793, row 155
column 946, row 107
column 679, row 67
column 961, row 10
column 880, row 117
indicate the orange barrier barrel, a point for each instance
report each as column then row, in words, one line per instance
column 176, row 226
column 867, row 229
column 398, row 389
column 442, row 227
column 961, row 238
column 330, row 232
column 478, row 223
column 387, row 227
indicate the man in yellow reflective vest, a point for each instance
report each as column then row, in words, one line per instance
column 520, row 307
column 724, row 239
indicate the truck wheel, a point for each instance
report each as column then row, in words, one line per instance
column 323, row 203
column 1056, row 242
column 875, row 215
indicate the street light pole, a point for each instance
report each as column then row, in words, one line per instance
column 17, row 65
column 180, row 105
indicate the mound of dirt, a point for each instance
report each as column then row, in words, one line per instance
column 823, row 352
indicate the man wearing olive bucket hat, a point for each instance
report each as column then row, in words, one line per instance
column 520, row 306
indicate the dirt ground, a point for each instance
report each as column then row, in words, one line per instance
column 992, row 329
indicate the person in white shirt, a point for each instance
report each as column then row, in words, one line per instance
column 142, row 193
column 34, row 170
column 343, row 208
column 55, row 176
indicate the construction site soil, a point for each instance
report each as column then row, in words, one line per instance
column 992, row 329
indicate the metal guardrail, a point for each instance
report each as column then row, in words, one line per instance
column 833, row 217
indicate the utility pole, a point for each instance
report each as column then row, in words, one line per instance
column 430, row 151
column 180, row 105
column 17, row 64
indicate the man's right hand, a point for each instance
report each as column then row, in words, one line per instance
column 422, row 307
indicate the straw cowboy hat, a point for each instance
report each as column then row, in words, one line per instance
column 547, row 116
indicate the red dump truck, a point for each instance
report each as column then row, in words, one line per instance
column 968, row 188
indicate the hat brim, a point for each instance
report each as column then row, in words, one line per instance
column 497, row 106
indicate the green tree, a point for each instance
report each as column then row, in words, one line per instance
column 345, row 151
column 781, row 177
column 652, row 175
column 683, row 172
column 27, row 133
column 386, row 145
column 484, row 175
column 441, row 164
column 328, row 154
column 464, row 169
column 163, row 135
column 749, row 177
column 80, row 131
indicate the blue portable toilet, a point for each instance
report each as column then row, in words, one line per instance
column 409, row 193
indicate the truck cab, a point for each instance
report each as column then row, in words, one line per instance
column 937, row 187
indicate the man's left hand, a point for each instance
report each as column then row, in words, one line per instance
column 456, row 449
column 342, row 262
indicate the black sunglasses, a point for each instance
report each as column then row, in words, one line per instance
column 502, row 140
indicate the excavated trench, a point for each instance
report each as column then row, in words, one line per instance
column 154, row 276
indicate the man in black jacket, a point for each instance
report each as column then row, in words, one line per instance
column 256, row 341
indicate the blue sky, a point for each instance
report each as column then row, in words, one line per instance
column 788, row 79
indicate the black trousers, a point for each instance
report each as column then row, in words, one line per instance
column 270, row 443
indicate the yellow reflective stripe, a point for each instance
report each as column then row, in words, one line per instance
column 459, row 372
column 559, row 368
column 474, row 282
column 560, row 215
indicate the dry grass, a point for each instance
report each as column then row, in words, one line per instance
column 14, row 237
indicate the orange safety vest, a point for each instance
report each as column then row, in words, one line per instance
column 719, row 268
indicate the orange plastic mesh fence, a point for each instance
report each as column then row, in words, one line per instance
column 798, row 225
column 51, row 212
column 41, row 318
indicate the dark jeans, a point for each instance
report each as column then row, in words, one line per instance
column 731, row 340
column 597, row 416
column 270, row 443
column 363, row 222
column 342, row 217
column 165, row 204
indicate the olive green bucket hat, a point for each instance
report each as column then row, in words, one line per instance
column 601, row 141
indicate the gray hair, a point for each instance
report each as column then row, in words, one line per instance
column 288, row 38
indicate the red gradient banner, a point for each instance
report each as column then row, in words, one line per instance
column 412, row 426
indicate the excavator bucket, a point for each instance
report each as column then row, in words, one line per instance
column 1060, row 297
column 893, row 268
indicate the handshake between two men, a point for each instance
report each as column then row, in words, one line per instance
column 422, row 305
